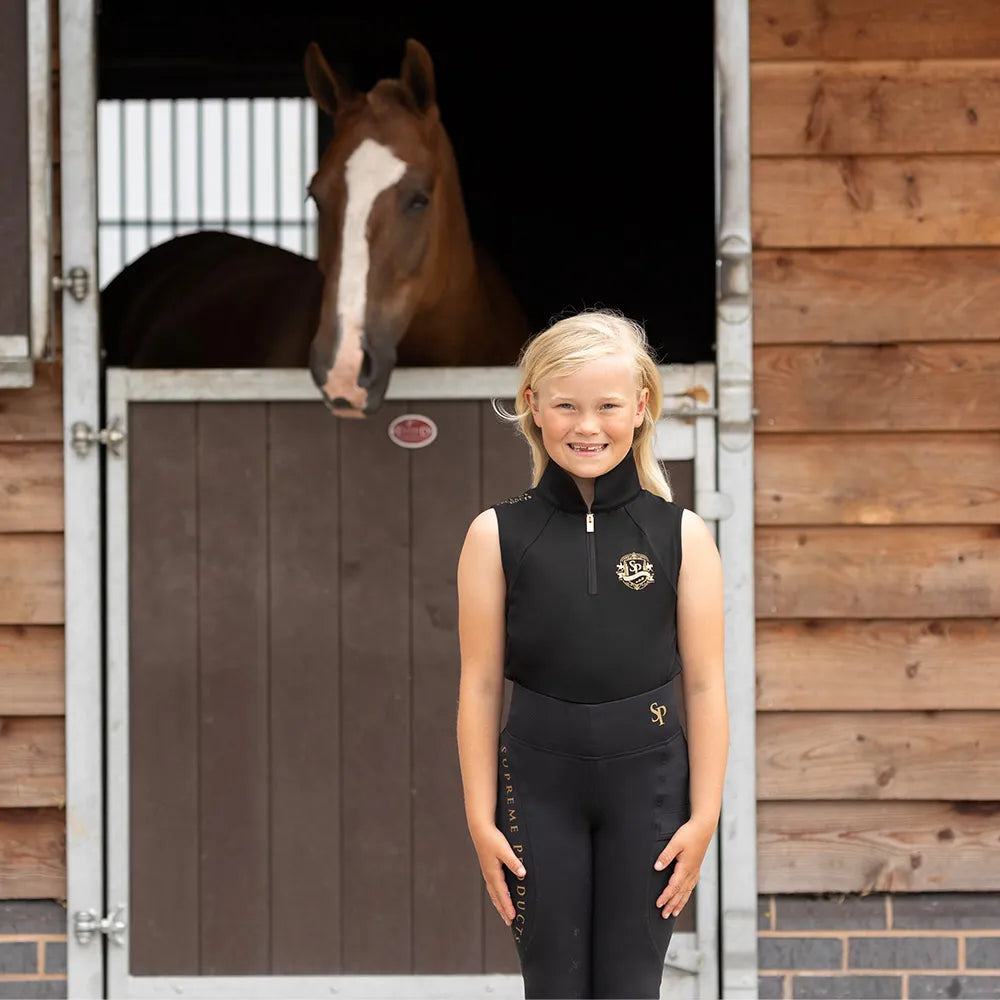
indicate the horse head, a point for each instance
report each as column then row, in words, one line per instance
column 393, row 240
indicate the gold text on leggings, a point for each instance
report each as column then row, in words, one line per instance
column 520, row 890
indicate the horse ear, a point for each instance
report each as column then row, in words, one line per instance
column 327, row 89
column 417, row 75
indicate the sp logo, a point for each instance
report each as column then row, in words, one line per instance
column 635, row 570
column 658, row 711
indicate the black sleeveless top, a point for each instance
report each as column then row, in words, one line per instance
column 591, row 596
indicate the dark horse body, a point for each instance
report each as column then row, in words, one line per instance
column 398, row 280
column 212, row 300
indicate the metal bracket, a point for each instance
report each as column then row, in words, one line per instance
column 87, row 923
column 84, row 437
column 735, row 400
column 77, row 283
column 685, row 959
column 712, row 505
column 733, row 277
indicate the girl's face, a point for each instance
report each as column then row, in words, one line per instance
column 588, row 418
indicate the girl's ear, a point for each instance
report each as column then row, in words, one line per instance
column 640, row 410
column 529, row 397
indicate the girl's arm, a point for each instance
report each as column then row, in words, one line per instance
column 700, row 635
column 481, row 634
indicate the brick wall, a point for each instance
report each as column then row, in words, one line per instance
column 914, row 946
column 32, row 949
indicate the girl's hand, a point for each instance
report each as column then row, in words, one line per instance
column 494, row 852
column 688, row 845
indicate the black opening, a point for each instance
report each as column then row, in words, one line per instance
column 585, row 142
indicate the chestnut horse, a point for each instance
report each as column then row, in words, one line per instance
column 399, row 280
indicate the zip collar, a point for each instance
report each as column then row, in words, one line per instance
column 612, row 489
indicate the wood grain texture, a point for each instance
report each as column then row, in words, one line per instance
column 878, row 755
column 32, row 853
column 164, row 866
column 447, row 931
column 876, row 296
column 32, row 670
column 857, row 29
column 889, row 201
column 34, row 414
column 878, row 572
column 32, row 762
column 376, row 699
column 877, row 847
column 31, row 487
column 303, row 460
column 31, row 579
column 233, row 690
column 895, row 387
column 865, row 108
column 817, row 665
column 877, row 478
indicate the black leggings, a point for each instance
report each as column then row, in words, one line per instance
column 588, row 795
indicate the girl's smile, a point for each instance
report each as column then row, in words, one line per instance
column 588, row 417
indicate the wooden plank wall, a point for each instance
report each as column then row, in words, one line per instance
column 32, row 702
column 876, row 225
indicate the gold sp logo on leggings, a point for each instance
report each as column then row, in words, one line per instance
column 658, row 711
column 635, row 570
column 512, row 823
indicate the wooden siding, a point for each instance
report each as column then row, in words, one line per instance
column 875, row 178
column 876, row 296
column 32, row 689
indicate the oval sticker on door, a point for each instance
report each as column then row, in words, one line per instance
column 412, row 430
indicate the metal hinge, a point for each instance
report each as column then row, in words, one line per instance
column 685, row 959
column 83, row 437
column 87, row 923
column 77, row 283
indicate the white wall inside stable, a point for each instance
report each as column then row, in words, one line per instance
column 168, row 167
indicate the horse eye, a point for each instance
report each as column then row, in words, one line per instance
column 418, row 202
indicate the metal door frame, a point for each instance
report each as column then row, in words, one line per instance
column 734, row 357
column 82, row 503
column 691, row 955
column 733, row 477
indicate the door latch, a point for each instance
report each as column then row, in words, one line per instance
column 87, row 923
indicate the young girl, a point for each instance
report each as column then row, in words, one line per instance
column 593, row 809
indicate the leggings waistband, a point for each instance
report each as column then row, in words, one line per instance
column 593, row 730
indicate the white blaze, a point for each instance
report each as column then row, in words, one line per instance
column 370, row 169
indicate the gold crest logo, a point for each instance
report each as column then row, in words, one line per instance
column 635, row 570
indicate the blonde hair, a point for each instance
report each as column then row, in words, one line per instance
column 563, row 349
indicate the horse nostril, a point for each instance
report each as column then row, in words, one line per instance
column 365, row 375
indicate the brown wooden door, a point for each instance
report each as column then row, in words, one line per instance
column 295, row 799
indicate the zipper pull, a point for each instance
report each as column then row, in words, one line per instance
column 590, row 523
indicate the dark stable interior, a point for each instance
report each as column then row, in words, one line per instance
column 585, row 141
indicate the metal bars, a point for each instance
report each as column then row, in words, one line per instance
column 167, row 167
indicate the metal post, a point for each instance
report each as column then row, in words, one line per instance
column 84, row 788
column 734, row 354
